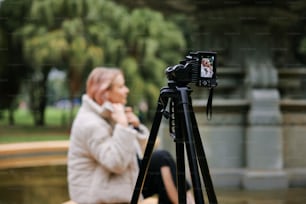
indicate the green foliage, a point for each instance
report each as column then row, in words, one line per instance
column 45, row 48
column 79, row 35
column 55, row 117
column 12, row 66
column 23, row 131
column 130, row 68
column 155, row 44
column 22, row 136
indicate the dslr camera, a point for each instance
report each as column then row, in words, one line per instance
column 198, row 67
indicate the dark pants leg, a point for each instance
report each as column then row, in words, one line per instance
column 154, row 182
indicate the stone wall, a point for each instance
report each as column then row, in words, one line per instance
column 254, row 140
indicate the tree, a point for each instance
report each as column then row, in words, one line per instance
column 153, row 44
column 93, row 33
column 78, row 35
column 12, row 66
column 49, row 42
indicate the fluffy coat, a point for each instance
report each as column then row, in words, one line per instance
column 102, row 162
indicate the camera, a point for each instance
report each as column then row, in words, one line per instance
column 198, row 67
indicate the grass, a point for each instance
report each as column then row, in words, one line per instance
column 56, row 128
column 33, row 138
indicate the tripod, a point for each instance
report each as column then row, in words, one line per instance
column 185, row 133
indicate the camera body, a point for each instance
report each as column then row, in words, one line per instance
column 198, row 67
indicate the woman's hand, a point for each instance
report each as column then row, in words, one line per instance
column 119, row 115
column 124, row 115
column 131, row 117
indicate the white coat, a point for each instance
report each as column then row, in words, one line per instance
column 102, row 162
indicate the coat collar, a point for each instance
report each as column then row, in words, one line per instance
column 103, row 111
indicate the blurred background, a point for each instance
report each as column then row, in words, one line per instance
column 255, row 140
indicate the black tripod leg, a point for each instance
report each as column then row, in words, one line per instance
column 191, row 153
column 148, row 151
column 180, row 157
column 203, row 161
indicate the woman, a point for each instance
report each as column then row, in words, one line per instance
column 206, row 68
column 106, row 139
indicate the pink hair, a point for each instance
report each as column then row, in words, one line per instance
column 99, row 80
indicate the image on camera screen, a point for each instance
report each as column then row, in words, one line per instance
column 207, row 67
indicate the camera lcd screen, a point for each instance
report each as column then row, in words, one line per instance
column 207, row 69
column 207, row 66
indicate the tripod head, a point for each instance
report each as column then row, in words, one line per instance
column 197, row 67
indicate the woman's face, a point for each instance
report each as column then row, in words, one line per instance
column 118, row 91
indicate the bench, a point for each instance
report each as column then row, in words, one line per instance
column 31, row 154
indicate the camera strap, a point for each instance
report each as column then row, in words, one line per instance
column 209, row 104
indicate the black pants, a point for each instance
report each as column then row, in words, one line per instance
column 154, row 183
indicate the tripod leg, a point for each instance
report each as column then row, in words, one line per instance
column 148, row 151
column 191, row 153
column 180, row 159
column 203, row 162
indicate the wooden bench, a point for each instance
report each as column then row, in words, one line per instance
column 150, row 200
column 31, row 154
